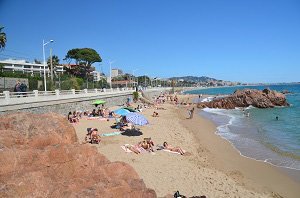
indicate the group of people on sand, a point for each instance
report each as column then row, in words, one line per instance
column 100, row 112
column 147, row 144
column 122, row 124
column 74, row 117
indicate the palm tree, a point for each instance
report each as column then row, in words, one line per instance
column 55, row 62
column 2, row 38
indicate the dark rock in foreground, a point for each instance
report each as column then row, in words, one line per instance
column 41, row 157
column 244, row 98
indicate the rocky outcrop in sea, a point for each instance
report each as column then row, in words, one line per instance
column 244, row 98
column 40, row 157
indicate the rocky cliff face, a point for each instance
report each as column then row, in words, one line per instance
column 244, row 98
column 41, row 157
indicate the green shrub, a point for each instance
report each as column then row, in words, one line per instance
column 33, row 83
column 135, row 96
column 71, row 83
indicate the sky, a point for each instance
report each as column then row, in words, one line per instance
column 246, row 41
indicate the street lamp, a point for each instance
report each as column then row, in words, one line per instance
column 110, row 62
column 44, row 44
column 145, row 80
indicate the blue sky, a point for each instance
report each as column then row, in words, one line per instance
column 247, row 41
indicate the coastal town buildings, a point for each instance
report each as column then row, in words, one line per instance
column 116, row 72
column 27, row 67
column 97, row 76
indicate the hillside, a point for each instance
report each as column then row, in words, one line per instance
column 194, row 79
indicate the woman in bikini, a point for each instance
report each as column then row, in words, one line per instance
column 174, row 149
column 133, row 148
column 147, row 144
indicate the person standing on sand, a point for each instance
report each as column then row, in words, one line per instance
column 192, row 112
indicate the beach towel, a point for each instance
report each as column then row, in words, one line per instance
column 171, row 151
column 111, row 134
column 92, row 118
column 124, row 147
column 159, row 147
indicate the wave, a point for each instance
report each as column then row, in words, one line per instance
column 227, row 120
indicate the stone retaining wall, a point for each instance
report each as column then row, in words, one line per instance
column 79, row 104
column 71, row 105
column 8, row 83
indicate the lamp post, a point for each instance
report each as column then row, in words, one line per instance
column 110, row 62
column 133, row 76
column 44, row 44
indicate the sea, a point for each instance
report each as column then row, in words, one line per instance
column 260, row 135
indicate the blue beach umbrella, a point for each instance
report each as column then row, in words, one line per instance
column 122, row 112
column 136, row 119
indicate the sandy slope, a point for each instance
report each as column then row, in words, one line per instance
column 207, row 171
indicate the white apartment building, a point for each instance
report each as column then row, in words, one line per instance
column 26, row 67
column 97, row 76
column 116, row 72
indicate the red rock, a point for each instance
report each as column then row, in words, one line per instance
column 244, row 98
column 40, row 157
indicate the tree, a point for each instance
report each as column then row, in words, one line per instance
column 2, row 38
column 144, row 80
column 86, row 55
column 84, row 58
column 1, row 68
column 55, row 62
column 36, row 61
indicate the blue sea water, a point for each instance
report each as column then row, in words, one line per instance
column 260, row 136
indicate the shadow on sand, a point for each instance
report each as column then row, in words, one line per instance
column 132, row 132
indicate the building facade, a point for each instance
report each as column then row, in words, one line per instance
column 116, row 72
column 97, row 76
column 26, row 67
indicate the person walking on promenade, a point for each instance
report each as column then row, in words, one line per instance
column 17, row 88
column 23, row 88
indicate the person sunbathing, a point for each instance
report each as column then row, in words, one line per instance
column 92, row 135
column 147, row 144
column 174, row 149
column 126, row 126
column 133, row 148
column 75, row 116
column 95, row 138
column 71, row 118
column 155, row 114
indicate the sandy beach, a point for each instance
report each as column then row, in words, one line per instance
column 212, row 167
